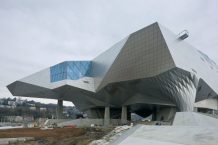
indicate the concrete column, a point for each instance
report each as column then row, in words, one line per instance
column 195, row 109
column 107, row 116
column 60, row 109
column 154, row 114
column 213, row 112
column 124, row 115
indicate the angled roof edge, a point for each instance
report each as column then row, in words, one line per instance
column 107, row 58
column 189, row 58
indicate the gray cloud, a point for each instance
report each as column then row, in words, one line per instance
column 37, row 34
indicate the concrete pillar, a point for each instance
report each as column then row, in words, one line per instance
column 60, row 109
column 107, row 116
column 195, row 109
column 213, row 112
column 124, row 115
column 154, row 114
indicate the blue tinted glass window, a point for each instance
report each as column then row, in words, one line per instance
column 71, row 70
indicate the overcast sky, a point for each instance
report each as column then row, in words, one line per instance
column 35, row 34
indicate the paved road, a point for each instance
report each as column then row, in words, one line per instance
column 189, row 129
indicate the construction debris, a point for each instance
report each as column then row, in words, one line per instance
column 114, row 134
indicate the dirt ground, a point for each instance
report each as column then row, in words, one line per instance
column 57, row 136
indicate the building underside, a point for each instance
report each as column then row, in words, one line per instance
column 151, row 71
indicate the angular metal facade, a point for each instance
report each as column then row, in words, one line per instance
column 150, row 67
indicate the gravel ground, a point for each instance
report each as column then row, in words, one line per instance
column 57, row 136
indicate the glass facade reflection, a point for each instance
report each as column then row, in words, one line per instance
column 71, row 70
